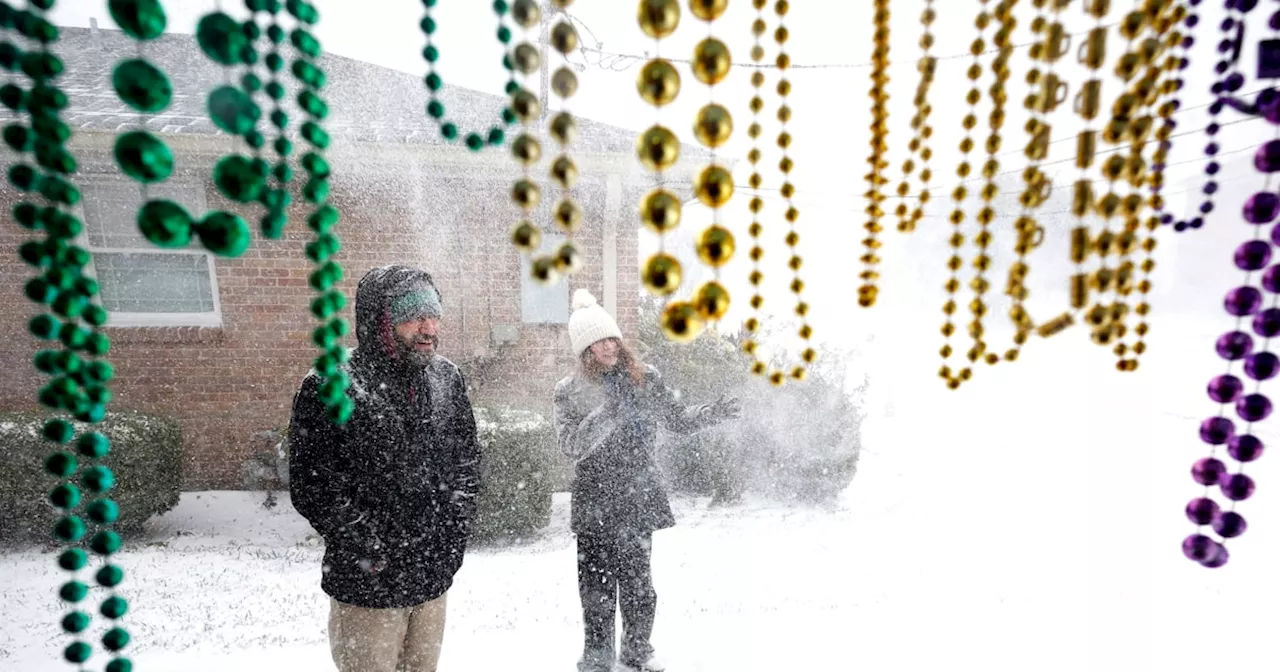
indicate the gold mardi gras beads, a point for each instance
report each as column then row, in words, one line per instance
column 713, row 127
column 752, row 325
column 564, row 172
column 927, row 66
column 879, row 147
column 527, row 150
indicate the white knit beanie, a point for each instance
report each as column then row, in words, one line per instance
column 589, row 323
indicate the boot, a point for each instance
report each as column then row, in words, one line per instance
column 596, row 661
column 649, row 663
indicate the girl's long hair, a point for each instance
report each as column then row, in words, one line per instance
column 627, row 360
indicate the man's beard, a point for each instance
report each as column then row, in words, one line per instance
column 411, row 354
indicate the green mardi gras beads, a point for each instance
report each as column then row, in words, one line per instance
column 141, row 85
column 316, row 191
column 475, row 141
column 275, row 197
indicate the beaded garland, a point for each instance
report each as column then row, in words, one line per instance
column 79, row 382
column 276, row 197
column 475, row 140
column 875, row 178
column 1259, row 364
column 525, row 192
column 713, row 186
column 927, row 66
column 752, row 325
column 567, row 214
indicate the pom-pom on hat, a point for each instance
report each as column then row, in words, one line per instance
column 589, row 323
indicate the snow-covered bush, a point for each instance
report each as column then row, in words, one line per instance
column 518, row 449
column 146, row 458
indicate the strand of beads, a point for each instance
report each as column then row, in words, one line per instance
column 564, row 83
column 752, row 324
column 475, row 141
column 1171, row 88
column 525, row 193
column 324, row 216
column 658, row 150
column 1229, row 80
column 876, row 180
column 713, row 127
column 1259, row 363
column 276, row 198
column 808, row 356
column 990, row 169
column 956, row 241
column 927, row 66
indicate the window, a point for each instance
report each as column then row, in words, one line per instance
column 143, row 285
column 540, row 304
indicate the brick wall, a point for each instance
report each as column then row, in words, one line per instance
column 228, row 383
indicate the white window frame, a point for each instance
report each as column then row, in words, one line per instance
column 211, row 318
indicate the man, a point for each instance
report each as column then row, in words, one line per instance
column 393, row 491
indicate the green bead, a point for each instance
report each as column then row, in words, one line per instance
column 430, row 53
column 76, row 621
column 114, row 607
column 511, row 87
column 105, row 542
column 272, row 224
column 433, row 81
column 41, row 65
column 98, row 479
column 324, row 278
column 315, row 135
column 320, row 250
column 10, row 56
column 221, row 38
column 504, row 34
column 277, row 199
column 326, row 365
column 59, row 190
column 99, row 371
column 44, row 327
column 13, row 97
column 98, row 344
column 141, row 85
column 73, row 336
column 69, row 529
column 77, row 652
column 249, row 56
column 500, row 7
column 61, row 464
column 496, row 136
column 275, row 33
column 60, row 277
column 308, row 74
column 508, row 116
column 302, row 11
column 98, row 394
column 73, row 559
column 340, row 327
column 255, row 139
column 340, row 412
column 95, row 315
column 23, row 177
column 251, row 82
column 144, row 157
column 60, row 224
column 324, row 338
column 58, row 431
column 315, row 165
column 429, row 3
column 90, row 412
column 75, row 257
column 67, row 362
column 69, row 305
column 94, row 445
column 316, row 191
column 48, row 127
column 279, row 119
column 313, row 105
column 120, row 665
column 474, row 142
column 274, row 63
column 45, row 97
column 224, row 234
column 324, row 218
column 165, row 224
column 73, row 591
column 283, row 146
column 232, row 110
column 39, row 291
column 435, row 109
column 250, row 28
column 18, row 137
column 305, row 42
column 139, row 19
column 283, row 172
column 237, row 179
column 86, row 287
column 52, row 156
column 103, row 511
column 46, row 361
column 335, row 387
column 65, row 496
column 507, row 63
column 109, row 576
column 449, row 131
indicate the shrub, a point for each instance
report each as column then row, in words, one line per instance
column 518, row 449
column 146, row 458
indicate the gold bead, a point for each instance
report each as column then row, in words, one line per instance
column 749, row 347
column 708, row 10
column 567, row 215
column 562, row 4
column 525, row 105
column 526, row 149
column 757, row 55
column 776, row 379
column 526, row 13
column 759, row 368
column 564, row 82
column 711, row 301
column 753, row 131
column 526, row 58
column 715, row 246
column 658, row 82
column 781, row 7
column 783, row 61
column 543, row 270
column 802, row 309
column 757, row 301
column 661, row 274
column 784, row 114
column 758, row 27
column 564, row 172
column 713, row 125
column 680, row 322
column 563, row 128
column 660, row 211
column 798, row 373
column 526, row 237
column 658, row 148
column 781, row 34
column 658, row 18
column 757, row 78
column 751, row 324
column 564, row 37
column 809, row 355
column 714, row 186
column 525, row 194
column 711, row 61
column 568, row 259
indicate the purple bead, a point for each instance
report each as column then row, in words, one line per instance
column 1180, row 227
column 1261, row 366
column 1253, row 407
column 1262, row 208
column 1167, row 218
column 1196, row 222
column 1202, row 510
column 1253, row 255
column 1210, row 188
column 1208, row 471
column 1216, row 106
column 1245, row 447
column 1212, row 167
column 1234, row 345
column 1267, row 158
column 1267, row 323
column 1206, row 207
column 1225, row 388
column 1229, row 524
column 1223, row 47
column 1216, row 431
column 1212, row 149
column 1227, row 24
column 1243, row 300
column 1271, row 111
column 1200, row 548
column 1246, row 6
column 1271, row 279
column 1274, row 22
column 1237, row 487
column 1219, row 558
column 1234, row 81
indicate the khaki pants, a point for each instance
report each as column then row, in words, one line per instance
column 386, row 640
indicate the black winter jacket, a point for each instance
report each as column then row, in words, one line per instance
column 393, row 491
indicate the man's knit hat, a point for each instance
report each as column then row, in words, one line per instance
column 589, row 323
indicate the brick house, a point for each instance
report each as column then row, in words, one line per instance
column 221, row 344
